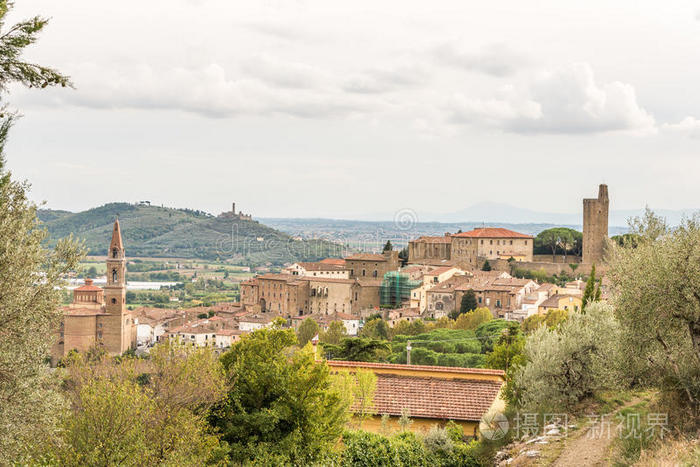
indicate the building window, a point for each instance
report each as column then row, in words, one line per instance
column 374, row 274
column 114, row 275
column 363, row 273
column 114, row 301
column 114, row 253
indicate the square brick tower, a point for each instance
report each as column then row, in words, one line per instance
column 595, row 226
column 117, row 324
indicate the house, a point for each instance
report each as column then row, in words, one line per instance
column 430, row 276
column 371, row 265
column 251, row 322
column 224, row 338
column 393, row 317
column 430, row 395
column 318, row 269
column 352, row 323
column 561, row 302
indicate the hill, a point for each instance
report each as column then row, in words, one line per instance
column 183, row 233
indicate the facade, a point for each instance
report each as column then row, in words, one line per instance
column 429, row 248
column 430, row 278
column 561, row 302
column 319, row 269
column 372, row 265
column 501, row 295
column 595, row 226
column 470, row 249
column 98, row 318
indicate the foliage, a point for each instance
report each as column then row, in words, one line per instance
column 551, row 318
column 31, row 274
column 375, row 329
column 486, row 266
column 388, row 246
column 559, row 240
column 409, row 328
column 128, row 411
column 589, row 292
column 155, row 231
column 567, row 364
column 280, row 402
column 358, row 349
column 335, row 333
column 541, row 276
column 490, row 331
column 364, row 449
column 508, row 355
column 468, row 302
column 362, row 385
column 471, row 320
column 656, row 292
column 307, row 330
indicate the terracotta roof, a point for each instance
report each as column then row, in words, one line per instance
column 436, row 398
column 277, row 277
column 439, row 270
column 88, row 287
column 336, row 261
column 492, row 232
column 553, row 301
column 366, row 257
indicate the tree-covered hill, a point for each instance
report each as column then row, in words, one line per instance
column 167, row 232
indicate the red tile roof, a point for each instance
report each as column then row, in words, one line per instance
column 492, row 232
column 435, row 398
column 88, row 287
column 336, row 261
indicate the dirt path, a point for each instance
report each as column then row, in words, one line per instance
column 590, row 448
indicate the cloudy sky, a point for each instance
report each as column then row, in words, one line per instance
column 300, row 108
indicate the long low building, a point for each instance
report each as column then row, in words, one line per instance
column 430, row 395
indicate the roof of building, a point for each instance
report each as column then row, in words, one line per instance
column 322, row 266
column 439, row 270
column 336, row 261
column 88, row 287
column 492, row 232
column 435, row 398
column 366, row 257
column 545, row 287
column 553, row 301
column 277, row 277
column 326, row 279
column 423, row 368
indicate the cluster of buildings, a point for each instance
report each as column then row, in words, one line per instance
column 439, row 272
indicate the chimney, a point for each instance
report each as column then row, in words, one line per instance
column 88, row 281
column 408, row 352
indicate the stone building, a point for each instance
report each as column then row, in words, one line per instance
column 98, row 318
column 372, row 265
column 232, row 214
column 595, row 226
column 429, row 248
column 318, row 269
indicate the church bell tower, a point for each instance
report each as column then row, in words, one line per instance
column 115, row 290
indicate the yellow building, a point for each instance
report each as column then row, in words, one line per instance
column 430, row 395
column 561, row 302
column 98, row 318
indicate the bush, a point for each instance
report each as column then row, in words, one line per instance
column 569, row 363
column 364, row 449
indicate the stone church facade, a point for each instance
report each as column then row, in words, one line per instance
column 98, row 317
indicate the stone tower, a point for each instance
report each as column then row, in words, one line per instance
column 595, row 226
column 117, row 325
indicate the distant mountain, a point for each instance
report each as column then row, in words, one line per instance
column 489, row 212
column 182, row 233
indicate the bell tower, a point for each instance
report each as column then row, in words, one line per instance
column 115, row 290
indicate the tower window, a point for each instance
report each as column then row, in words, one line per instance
column 114, row 301
column 114, row 253
column 114, row 275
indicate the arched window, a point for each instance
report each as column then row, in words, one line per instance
column 115, row 252
column 114, row 275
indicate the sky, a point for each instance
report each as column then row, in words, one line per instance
column 317, row 108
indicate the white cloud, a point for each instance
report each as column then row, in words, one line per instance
column 689, row 126
column 380, row 80
column 566, row 100
column 495, row 59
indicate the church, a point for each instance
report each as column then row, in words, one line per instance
column 98, row 317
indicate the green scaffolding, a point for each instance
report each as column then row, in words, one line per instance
column 396, row 288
